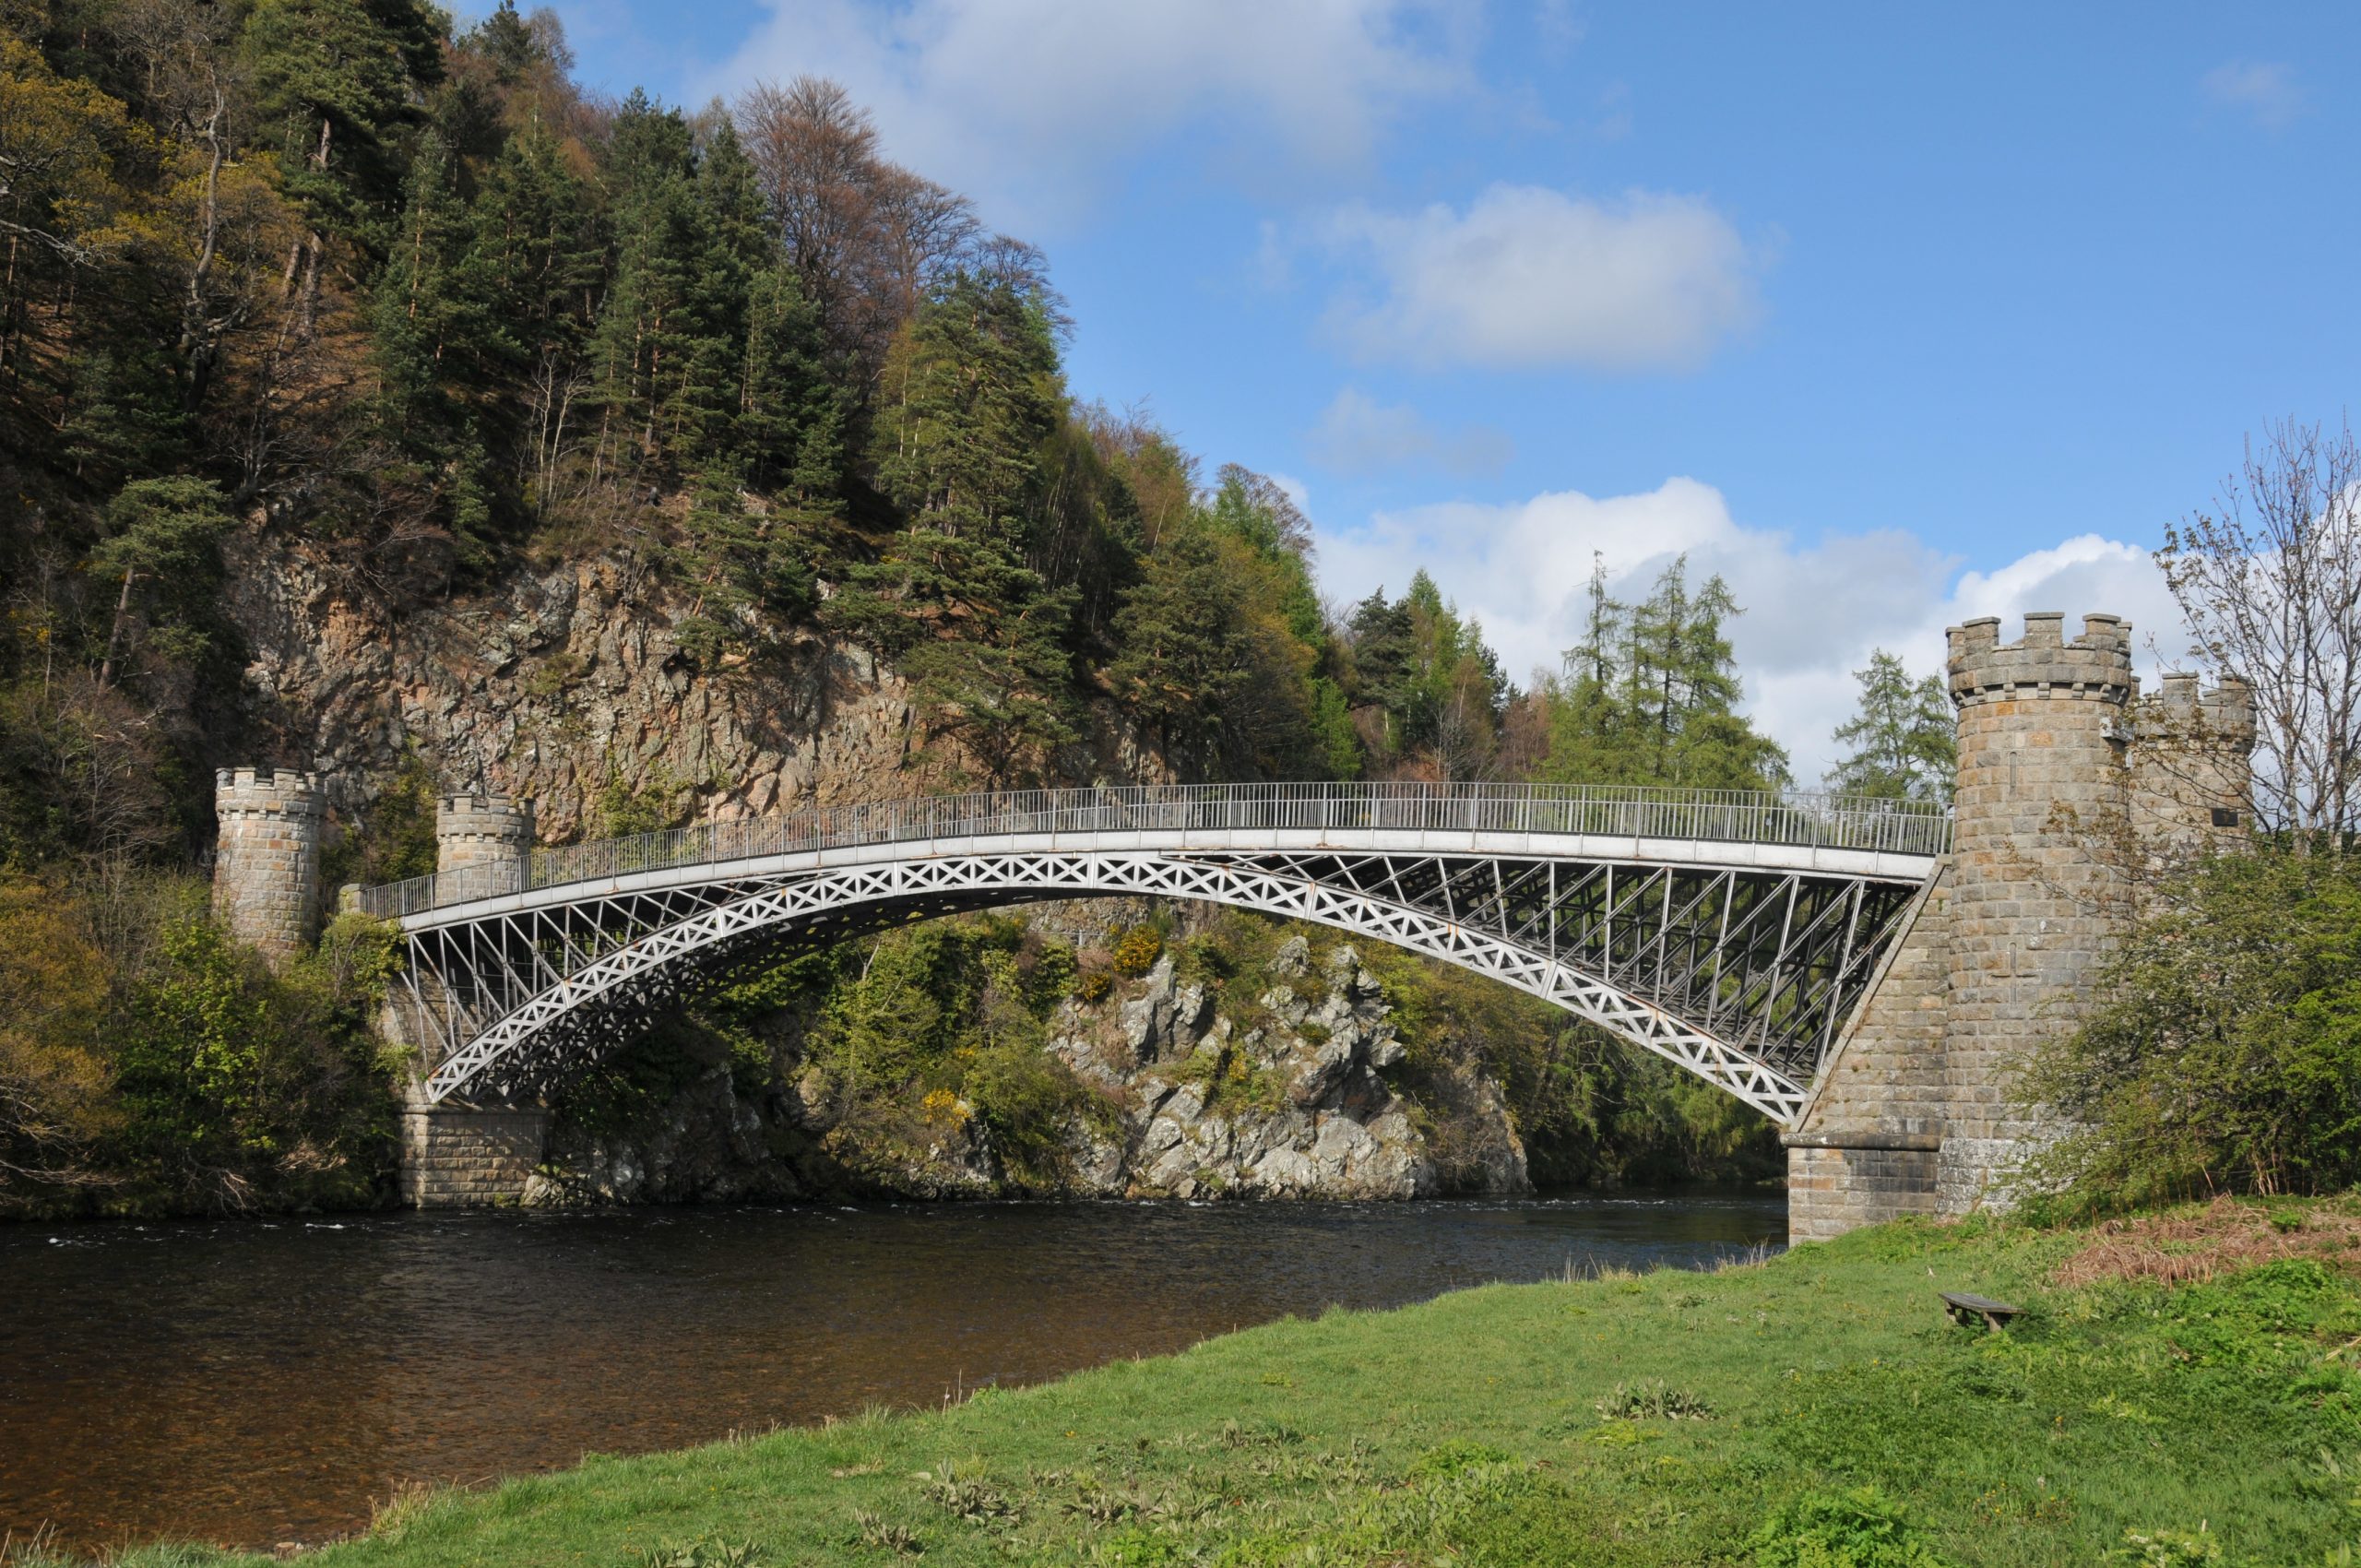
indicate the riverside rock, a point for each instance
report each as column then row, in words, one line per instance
column 1197, row 1100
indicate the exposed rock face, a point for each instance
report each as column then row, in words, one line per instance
column 1283, row 1097
column 558, row 680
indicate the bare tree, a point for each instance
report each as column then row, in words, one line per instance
column 868, row 237
column 2269, row 582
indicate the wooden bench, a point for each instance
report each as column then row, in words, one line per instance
column 1968, row 1309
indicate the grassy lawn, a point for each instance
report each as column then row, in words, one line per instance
column 1817, row 1410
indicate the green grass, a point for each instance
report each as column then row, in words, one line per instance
column 1828, row 1416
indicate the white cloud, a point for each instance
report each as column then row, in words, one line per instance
column 2266, row 90
column 1813, row 611
column 1357, row 434
column 1028, row 104
column 1532, row 277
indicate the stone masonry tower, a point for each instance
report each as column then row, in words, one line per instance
column 2067, row 780
column 267, row 863
column 482, row 845
column 2042, row 773
column 453, row 1154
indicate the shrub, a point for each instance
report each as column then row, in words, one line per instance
column 1652, row 1400
column 1862, row 1528
column 2223, row 1053
column 1137, row 949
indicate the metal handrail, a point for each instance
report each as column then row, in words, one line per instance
column 1751, row 817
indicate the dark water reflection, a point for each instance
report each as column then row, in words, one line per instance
column 256, row 1382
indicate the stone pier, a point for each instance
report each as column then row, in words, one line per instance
column 458, row 1156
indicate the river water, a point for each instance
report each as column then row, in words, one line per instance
column 252, row 1382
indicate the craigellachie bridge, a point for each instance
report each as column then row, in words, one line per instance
column 1864, row 972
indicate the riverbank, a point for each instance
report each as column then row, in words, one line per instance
column 2141, row 1408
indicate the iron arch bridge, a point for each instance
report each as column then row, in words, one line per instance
column 1732, row 931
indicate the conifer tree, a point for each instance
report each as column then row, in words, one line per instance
column 974, row 393
column 1650, row 694
column 1902, row 741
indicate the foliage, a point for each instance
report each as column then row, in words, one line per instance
column 926, row 1030
column 1903, row 743
column 395, row 841
column 1437, row 688
column 233, row 1080
column 1137, row 949
column 2223, row 1053
column 56, row 1089
column 1861, row 1529
column 955, row 600
column 151, row 1064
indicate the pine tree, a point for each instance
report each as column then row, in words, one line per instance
column 1902, row 741
column 341, row 80
column 983, row 638
column 1650, row 694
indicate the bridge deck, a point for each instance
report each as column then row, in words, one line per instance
column 1889, row 840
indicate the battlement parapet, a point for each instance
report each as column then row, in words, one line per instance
column 496, row 817
column 2187, row 712
column 286, row 792
column 2096, row 664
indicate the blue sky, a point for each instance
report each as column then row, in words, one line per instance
column 1891, row 315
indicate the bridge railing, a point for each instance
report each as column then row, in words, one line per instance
column 1849, row 822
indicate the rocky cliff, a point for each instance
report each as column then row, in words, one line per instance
column 1283, row 1093
column 560, row 682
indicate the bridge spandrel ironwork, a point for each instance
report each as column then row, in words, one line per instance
column 1732, row 931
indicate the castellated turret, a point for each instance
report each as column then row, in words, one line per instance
column 2192, row 770
column 2042, row 768
column 267, row 863
column 483, row 846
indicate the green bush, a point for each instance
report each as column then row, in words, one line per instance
column 1861, row 1529
column 2225, row 1049
column 241, row 1086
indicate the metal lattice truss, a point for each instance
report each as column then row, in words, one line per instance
column 1742, row 974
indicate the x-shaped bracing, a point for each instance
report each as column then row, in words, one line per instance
column 1741, row 975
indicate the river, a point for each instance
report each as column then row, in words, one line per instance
column 250, row 1383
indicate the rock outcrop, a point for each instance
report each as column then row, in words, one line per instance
column 559, row 681
column 1283, row 1096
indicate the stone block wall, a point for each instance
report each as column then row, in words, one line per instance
column 1864, row 1151
column 2042, row 781
column 469, row 1156
column 2190, row 772
column 1832, row 1190
column 266, row 861
column 482, row 846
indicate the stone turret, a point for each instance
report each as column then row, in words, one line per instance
column 482, row 845
column 2193, row 771
column 2042, row 775
column 2068, row 781
column 267, row 863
